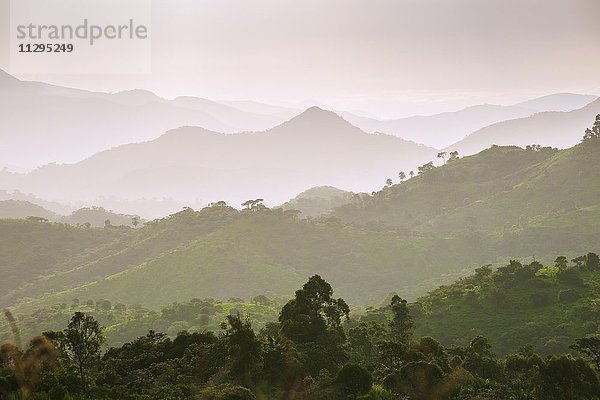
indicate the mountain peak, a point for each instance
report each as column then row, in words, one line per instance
column 316, row 111
column 315, row 121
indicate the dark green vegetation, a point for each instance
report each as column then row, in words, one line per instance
column 220, row 252
column 315, row 351
column 124, row 322
column 516, row 305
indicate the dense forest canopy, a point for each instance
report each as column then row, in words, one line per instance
column 316, row 350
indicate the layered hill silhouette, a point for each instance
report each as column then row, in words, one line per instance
column 314, row 148
column 501, row 204
column 86, row 216
column 557, row 129
column 444, row 129
column 42, row 123
column 19, row 209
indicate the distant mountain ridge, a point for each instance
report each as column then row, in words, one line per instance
column 443, row 129
column 557, row 129
column 72, row 124
column 315, row 148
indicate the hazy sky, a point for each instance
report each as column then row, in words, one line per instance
column 383, row 57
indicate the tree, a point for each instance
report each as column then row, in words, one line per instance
column 254, row 205
column 402, row 176
column 481, row 361
column 354, row 380
column 594, row 133
column 590, row 347
column 364, row 341
column 564, row 378
column 243, row 347
column 388, row 182
column 107, row 223
column 411, row 173
column 80, row 343
column 592, row 262
column 402, row 324
column 135, row 221
column 220, row 203
column 560, row 262
column 262, row 300
column 313, row 312
column 425, row 167
column 442, row 155
column 579, row 261
column 453, row 156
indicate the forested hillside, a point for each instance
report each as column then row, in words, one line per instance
column 317, row 349
column 499, row 190
column 516, row 305
column 503, row 203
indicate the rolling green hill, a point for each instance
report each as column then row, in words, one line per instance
column 503, row 203
column 514, row 306
column 499, row 189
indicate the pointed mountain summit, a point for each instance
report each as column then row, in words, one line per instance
column 329, row 124
column 315, row 148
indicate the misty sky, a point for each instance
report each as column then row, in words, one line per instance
column 387, row 58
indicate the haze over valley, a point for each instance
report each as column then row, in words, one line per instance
column 285, row 200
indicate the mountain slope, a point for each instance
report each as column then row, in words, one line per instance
column 42, row 123
column 514, row 306
column 555, row 129
column 558, row 102
column 443, row 129
column 313, row 149
column 410, row 237
column 18, row 209
column 499, row 189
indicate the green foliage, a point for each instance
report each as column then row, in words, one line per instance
column 594, row 133
column 354, row 379
column 240, row 365
column 401, row 325
column 80, row 344
column 313, row 315
column 516, row 305
column 590, row 347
